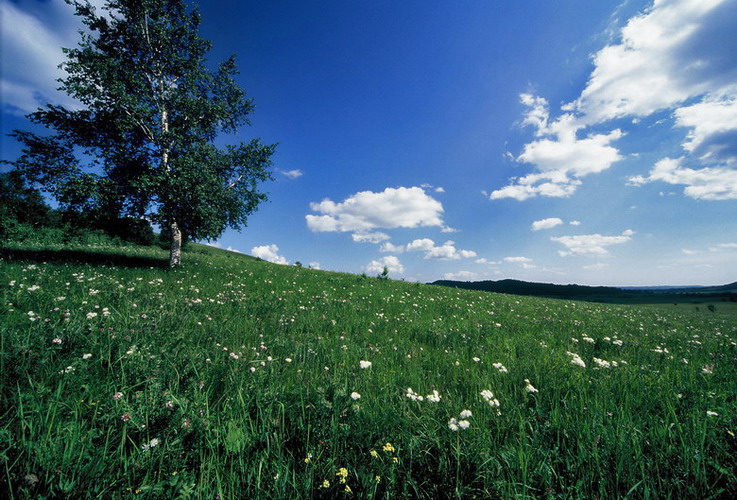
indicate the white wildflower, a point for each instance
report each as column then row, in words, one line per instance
column 434, row 397
column 453, row 424
column 464, row 424
column 529, row 387
column 411, row 394
column 466, row 414
column 355, row 396
column 364, row 364
column 576, row 359
column 602, row 363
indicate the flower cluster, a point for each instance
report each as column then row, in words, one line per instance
column 147, row 446
column 500, row 367
column 576, row 359
column 433, row 398
column 460, row 423
column 491, row 400
column 529, row 387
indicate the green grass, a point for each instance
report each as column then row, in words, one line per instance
column 232, row 378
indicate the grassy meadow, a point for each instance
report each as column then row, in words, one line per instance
column 236, row 378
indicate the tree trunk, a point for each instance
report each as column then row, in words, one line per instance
column 175, row 250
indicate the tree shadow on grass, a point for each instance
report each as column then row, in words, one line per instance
column 82, row 257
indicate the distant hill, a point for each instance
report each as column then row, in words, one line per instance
column 601, row 293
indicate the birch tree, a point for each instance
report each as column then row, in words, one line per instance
column 141, row 143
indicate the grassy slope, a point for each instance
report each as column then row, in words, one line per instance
column 242, row 372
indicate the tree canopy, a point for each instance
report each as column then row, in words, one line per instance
column 141, row 143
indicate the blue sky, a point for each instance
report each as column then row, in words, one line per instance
column 565, row 142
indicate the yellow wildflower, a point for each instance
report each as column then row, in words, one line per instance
column 342, row 474
column 374, row 453
column 389, row 448
column 325, row 484
column 348, row 489
column 378, row 479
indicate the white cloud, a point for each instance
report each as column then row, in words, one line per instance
column 291, row 174
column 420, row 245
column 517, row 260
column 31, row 55
column 596, row 267
column 391, row 262
column 462, row 276
column 723, row 246
column 713, row 123
column 232, row 249
column 31, row 39
column 269, row 253
column 674, row 51
column 375, row 237
column 390, row 247
column 591, row 244
column 366, row 210
column 446, row 251
column 677, row 55
column 548, row 223
column 314, row 265
column 560, row 157
column 708, row 183
column 575, row 223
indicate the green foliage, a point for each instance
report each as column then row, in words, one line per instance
column 152, row 110
column 237, row 378
column 384, row 274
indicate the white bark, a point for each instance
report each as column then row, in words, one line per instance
column 175, row 250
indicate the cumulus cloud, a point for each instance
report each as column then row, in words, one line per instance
column 707, row 183
column 269, row 253
column 446, row 251
column 560, row 157
column 367, row 210
column 548, row 223
column 391, row 262
column 591, row 244
column 677, row 55
column 672, row 52
column 713, row 124
column 390, row 247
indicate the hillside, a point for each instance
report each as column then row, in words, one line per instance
column 606, row 294
column 232, row 377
